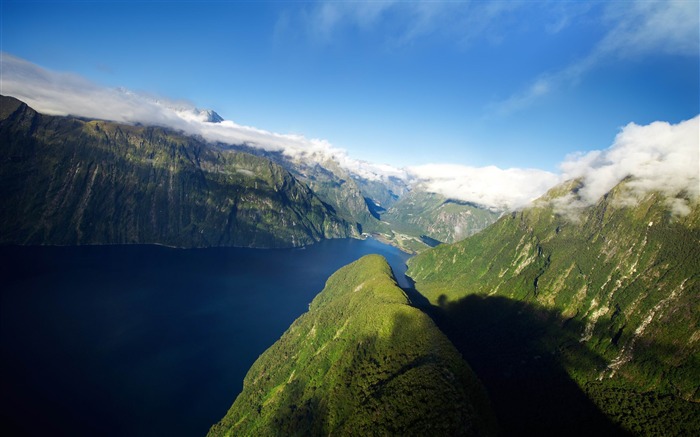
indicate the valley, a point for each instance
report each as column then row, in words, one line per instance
column 350, row 218
column 74, row 181
column 570, row 316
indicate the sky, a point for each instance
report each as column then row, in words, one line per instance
column 506, row 89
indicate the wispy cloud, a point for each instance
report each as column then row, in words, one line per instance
column 635, row 29
column 404, row 22
column 643, row 27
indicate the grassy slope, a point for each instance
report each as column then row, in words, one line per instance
column 613, row 296
column 69, row 181
column 362, row 361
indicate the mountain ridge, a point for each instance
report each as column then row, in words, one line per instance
column 73, row 181
column 361, row 361
column 618, row 282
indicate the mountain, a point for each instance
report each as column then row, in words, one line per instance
column 425, row 214
column 565, row 311
column 73, row 181
column 209, row 116
column 381, row 194
column 396, row 210
column 361, row 361
column 336, row 186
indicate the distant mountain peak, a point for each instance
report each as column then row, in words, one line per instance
column 208, row 116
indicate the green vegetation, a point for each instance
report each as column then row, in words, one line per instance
column 71, row 181
column 645, row 413
column 411, row 220
column 342, row 193
column 420, row 213
column 337, row 188
column 362, row 361
column 609, row 294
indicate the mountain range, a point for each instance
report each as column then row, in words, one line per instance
column 577, row 320
column 70, row 180
column 571, row 316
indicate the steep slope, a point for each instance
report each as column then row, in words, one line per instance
column 612, row 292
column 421, row 213
column 71, row 181
column 333, row 184
column 336, row 187
column 396, row 210
column 362, row 361
column 382, row 193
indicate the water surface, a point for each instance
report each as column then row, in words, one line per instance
column 147, row 340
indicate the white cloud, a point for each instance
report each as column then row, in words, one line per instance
column 490, row 186
column 539, row 88
column 659, row 157
column 635, row 29
column 68, row 94
column 63, row 94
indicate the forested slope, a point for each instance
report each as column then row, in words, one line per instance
column 362, row 361
column 608, row 295
column 71, row 181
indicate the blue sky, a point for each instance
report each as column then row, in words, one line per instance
column 511, row 84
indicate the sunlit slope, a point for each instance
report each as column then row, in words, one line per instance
column 421, row 213
column 616, row 286
column 65, row 180
column 362, row 361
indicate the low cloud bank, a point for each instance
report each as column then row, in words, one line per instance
column 57, row 93
column 490, row 186
column 63, row 94
column 659, row 157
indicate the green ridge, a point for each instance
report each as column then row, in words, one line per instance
column 361, row 361
column 612, row 294
column 420, row 213
column 72, row 181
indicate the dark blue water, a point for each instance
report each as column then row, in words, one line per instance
column 147, row 340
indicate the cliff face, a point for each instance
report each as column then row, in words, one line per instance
column 71, row 181
column 613, row 290
column 362, row 361
column 346, row 194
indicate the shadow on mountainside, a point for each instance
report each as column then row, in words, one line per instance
column 408, row 381
column 519, row 352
